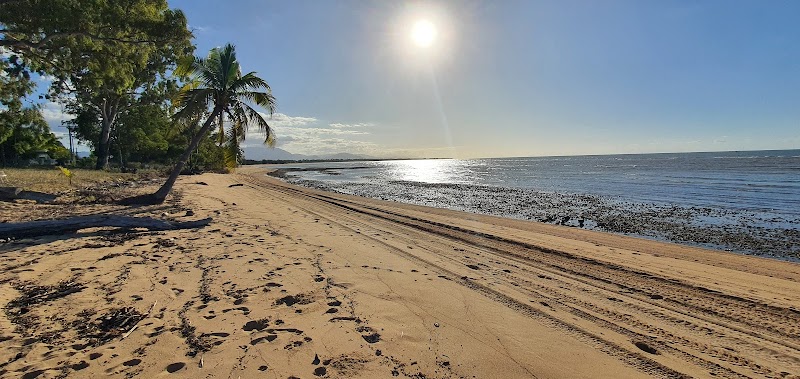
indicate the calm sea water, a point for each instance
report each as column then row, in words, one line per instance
column 753, row 189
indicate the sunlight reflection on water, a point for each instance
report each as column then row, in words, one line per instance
column 430, row 171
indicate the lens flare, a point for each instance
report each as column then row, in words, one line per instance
column 423, row 33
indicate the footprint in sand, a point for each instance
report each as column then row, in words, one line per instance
column 132, row 362
column 292, row 300
column 175, row 367
column 370, row 335
column 33, row 374
column 79, row 366
column 256, row 325
column 372, row 338
column 268, row 338
column 77, row 346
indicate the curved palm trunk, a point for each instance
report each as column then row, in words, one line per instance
column 162, row 192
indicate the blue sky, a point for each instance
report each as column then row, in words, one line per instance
column 518, row 78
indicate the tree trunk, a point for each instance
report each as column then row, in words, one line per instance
column 71, row 225
column 108, row 114
column 103, row 145
column 162, row 192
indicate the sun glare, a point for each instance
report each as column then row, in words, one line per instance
column 423, row 33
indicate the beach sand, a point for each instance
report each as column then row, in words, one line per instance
column 293, row 282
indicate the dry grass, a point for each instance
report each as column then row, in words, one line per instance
column 51, row 180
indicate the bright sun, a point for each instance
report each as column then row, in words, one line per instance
column 423, row 33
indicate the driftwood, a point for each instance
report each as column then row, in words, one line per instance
column 9, row 193
column 71, row 225
column 13, row 193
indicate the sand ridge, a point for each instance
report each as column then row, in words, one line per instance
column 292, row 282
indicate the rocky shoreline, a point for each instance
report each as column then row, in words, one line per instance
column 735, row 231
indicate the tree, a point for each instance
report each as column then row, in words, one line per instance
column 217, row 85
column 23, row 131
column 103, row 54
column 143, row 130
column 29, row 139
column 13, row 88
column 40, row 29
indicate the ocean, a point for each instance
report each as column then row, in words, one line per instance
column 746, row 202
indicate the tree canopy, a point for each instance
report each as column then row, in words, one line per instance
column 41, row 29
column 104, row 55
column 23, row 130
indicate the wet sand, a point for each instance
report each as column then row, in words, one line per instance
column 293, row 282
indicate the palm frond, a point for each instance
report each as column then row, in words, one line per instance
column 188, row 66
column 194, row 101
column 250, row 82
column 258, row 120
column 217, row 80
column 232, row 153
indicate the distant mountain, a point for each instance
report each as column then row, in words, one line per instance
column 345, row 156
column 258, row 153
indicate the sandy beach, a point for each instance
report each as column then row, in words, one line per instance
column 290, row 282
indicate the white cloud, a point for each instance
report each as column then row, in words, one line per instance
column 282, row 120
column 309, row 136
column 279, row 123
column 321, row 131
column 302, row 128
column 352, row 126
column 331, row 145
column 53, row 114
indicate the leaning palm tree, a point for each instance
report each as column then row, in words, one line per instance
column 218, row 86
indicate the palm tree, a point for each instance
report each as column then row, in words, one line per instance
column 217, row 84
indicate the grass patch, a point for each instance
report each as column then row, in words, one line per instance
column 51, row 180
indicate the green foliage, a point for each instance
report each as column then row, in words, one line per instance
column 208, row 156
column 217, row 86
column 142, row 134
column 26, row 140
column 23, row 131
column 106, row 56
column 41, row 30
column 86, row 125
column 13, row 89
column 217, row 81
